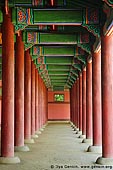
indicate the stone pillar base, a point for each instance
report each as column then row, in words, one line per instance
column 73, row 126
column 104, row 161
column 29, row 141
column 95, row 149
column 21, row 148
column 76, row 129
column 46, row 124
column 71, row 122
column 87, row 141
column 34, row 136
column 79, row 132
column 41, row 129
column 82, row 136
column 38, row 133
column 9, row 160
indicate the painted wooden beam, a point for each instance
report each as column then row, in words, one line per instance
column 57, row 16
column 59, row 60
column 62, row 51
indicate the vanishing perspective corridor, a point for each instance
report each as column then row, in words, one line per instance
column 56, row 84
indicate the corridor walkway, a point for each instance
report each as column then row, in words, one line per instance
column 58, row 147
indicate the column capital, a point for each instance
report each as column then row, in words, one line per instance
column 84, row 69
column 108, row 26
column 97, row 46
column 80, row 74
column 89, row 61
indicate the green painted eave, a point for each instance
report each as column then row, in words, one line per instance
column 58, row 72
column 59, row 60
column 66, row 50
column 58, row 77
column 57, row 16
column 58, row 88
column 60, row 29
column 60, row 80
column 60, row 3
column 84, row 4
column 59, row 37
column 45, row 38
column 56, row 67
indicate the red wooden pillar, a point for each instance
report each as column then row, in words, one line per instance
column 44, row 119
column 80, row 104
column 33, row 101
column 42, row 102
column 96, row 101
column 71, row 114
column 45, row 106
column 7, row 123
column 107, row 100
column 77, row 104
column 27, row 99
column 83, row 104
column 42, row 106
column 36, row 102
column 39, row 97
column 19, row 95
column 73, row 106
column 72, row 99
column 88, row 103
column 39, row 101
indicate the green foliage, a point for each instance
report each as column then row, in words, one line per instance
column 59, row 97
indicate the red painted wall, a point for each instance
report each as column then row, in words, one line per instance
column 58, row 110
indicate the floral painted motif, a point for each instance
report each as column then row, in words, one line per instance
column 37, row 2
column 84, row 38
column 21, row 13
column 92, row 16
column 31, row 37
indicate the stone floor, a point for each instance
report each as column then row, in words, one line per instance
column 58, row 147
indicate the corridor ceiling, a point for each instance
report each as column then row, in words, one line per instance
column 60, row 35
